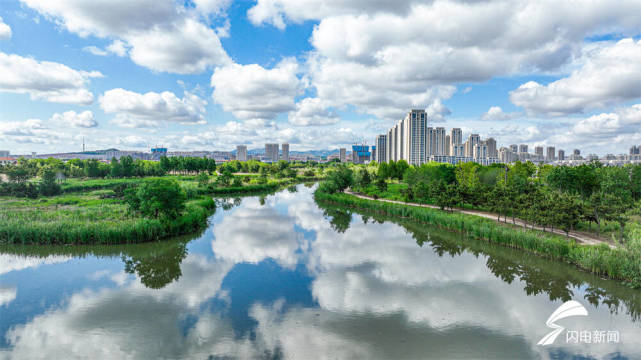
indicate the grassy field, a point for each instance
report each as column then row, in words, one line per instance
column 621, row 263
column 89, row 212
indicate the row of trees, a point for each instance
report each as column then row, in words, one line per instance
column 549, row 196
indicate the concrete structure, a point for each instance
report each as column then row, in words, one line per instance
column 550, row 153
column 241, row 153
column 576, row 152
column 4, row 153
column 634, row 150
column 538, row 151
column 523, row 148
column 285, row 152
column 480, row 151
column 342, row 154
column 514, row 148
column 561, row 155
column 381, row 147
column 448, row 145
column 414, row 143
column 491, row 148
column 471, row 142
column 271, row 153
column 458, row 150
column 360, row 154
column 456, row 136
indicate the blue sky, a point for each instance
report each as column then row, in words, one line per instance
column 211, row 74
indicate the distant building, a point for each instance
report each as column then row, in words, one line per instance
column 561, row 156
column 271, row 152
column 550, row 153
column 480, row 151
column 448, row 144
column 491, row 148
column 360, row 154
column 634, row 150
column 506, row 155
column 241, row 153
column 5, row 160
column 285, row 152
column 342, row 154
column 381, row 146
column 523, row 149
column 5, row 153
column 471, row 142
column 538, row 150
column 514, row 148
column 456, row 136
column 576, row 152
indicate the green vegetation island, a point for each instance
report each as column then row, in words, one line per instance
column 588, row 215
column 127, row 201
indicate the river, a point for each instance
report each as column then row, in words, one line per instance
column 281, row 277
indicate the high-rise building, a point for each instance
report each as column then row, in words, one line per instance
column 471, row 142
column 506, row 155
column 271, row 152
column 480, row 151
column 538, row 150
column 550, row 153
column 439, row 141
column 448, row 145
column 381, row 147
column 414, row 142
column 285, row 152
column 576, row 152
column 491, row 148
column 561, row 156
column 456, row 136
column 458, row 150
column 360, row 154
column 241, row 153
column 514, row 148
column 523, row 148
column 634, row 150
column 342, row 154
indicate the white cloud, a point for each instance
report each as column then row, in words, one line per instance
column 611, row 74
column 45, row 80
column 117, row 47
column 212, row 6
column 32, row 131
column 5, row 30
column 134, row 141
column 311, row 111
column 387, row 57
column 7, row 295
column 251, row 92
column 71, row 118
column 163, row 35
column 139, row 110
column 495, row 113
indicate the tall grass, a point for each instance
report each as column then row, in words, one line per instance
column 622, row 264
column 107, row 223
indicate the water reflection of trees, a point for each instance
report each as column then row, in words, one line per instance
column 157, row 264
column 538, row 275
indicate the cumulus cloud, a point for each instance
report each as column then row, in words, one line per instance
column 5, row 30
column 252, row 92
column 495, row 113
column 312, row 111
column 117, row 47
column 611, row 74
column 71, row 118
column 32, row 131
column 162, row 34
column 150, row 109
column 384, row 58
column 45, row 80
column 7, row 295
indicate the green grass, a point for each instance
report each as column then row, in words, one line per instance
column 621, row 263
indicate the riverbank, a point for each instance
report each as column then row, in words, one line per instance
column 95, row 214
column 580, row 237
column 620, row 263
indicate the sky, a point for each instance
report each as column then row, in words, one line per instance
column 318, row 74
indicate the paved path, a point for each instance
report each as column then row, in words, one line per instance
column 580, row 237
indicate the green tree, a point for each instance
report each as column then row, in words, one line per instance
column 157, row 198
column 48, row 185
column 116, row 169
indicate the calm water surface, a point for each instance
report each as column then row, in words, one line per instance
column 280, row 276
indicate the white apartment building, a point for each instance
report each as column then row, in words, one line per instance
column 241, row 153
column 271, row 152
column 285, row 152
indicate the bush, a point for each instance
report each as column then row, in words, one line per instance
column 156, row 198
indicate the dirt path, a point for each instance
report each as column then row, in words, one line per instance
column 580, row 237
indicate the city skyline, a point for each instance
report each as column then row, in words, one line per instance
column 222, row 73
